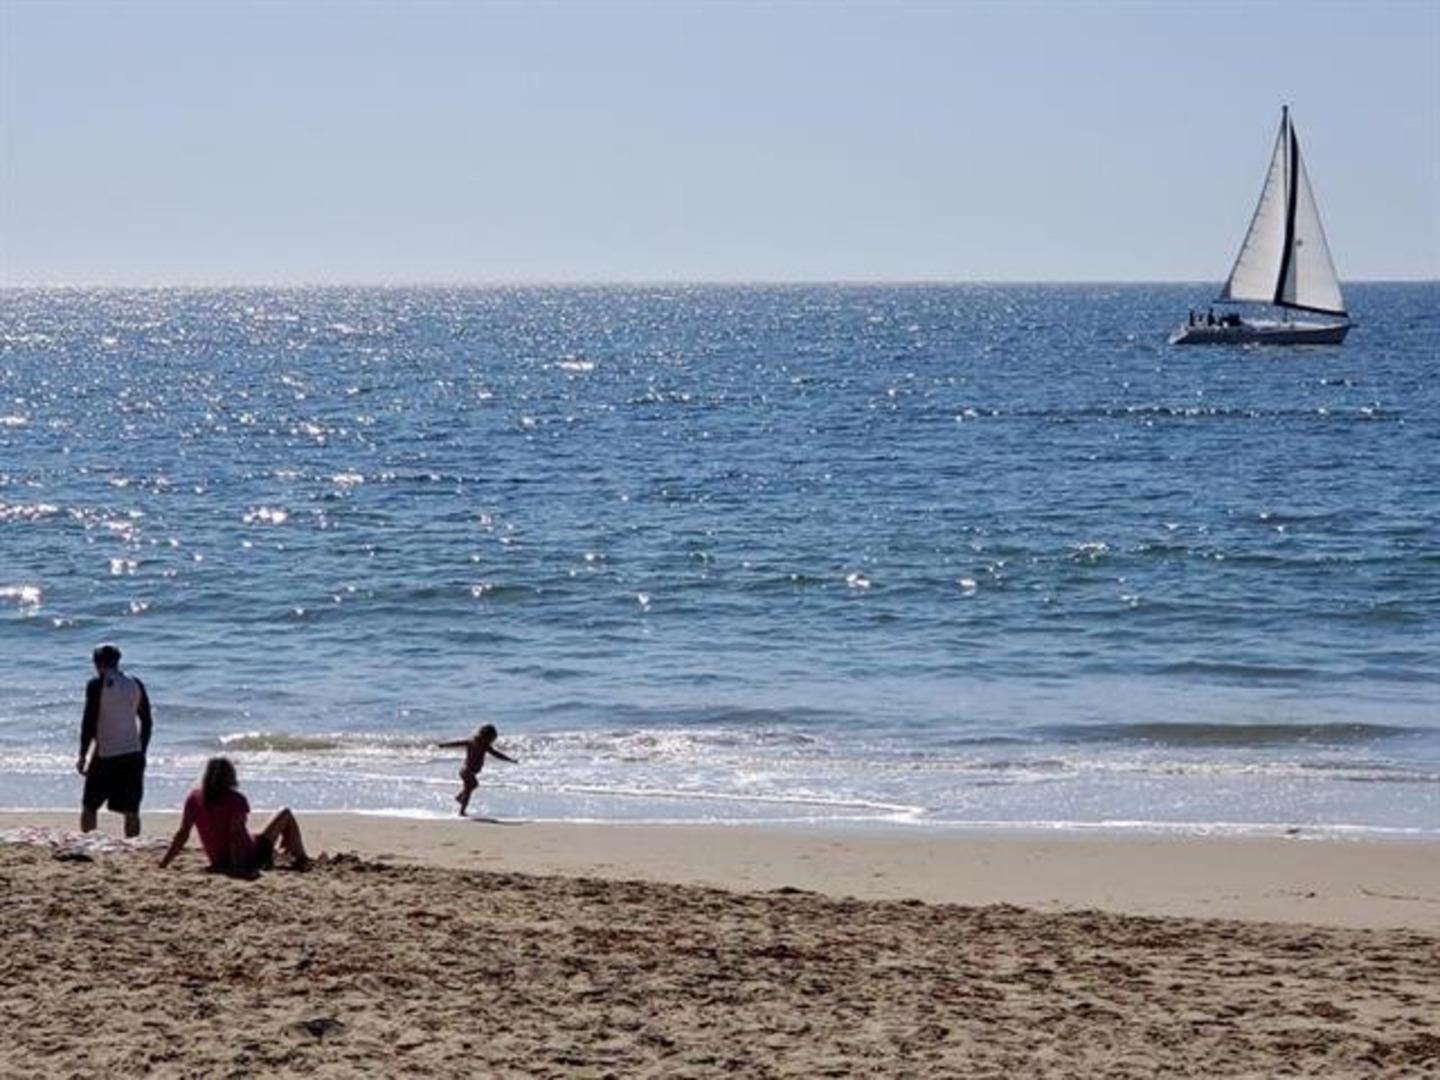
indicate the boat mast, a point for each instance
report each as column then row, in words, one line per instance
column 1292, row 169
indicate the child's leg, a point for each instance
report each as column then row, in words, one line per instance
column 468, row 785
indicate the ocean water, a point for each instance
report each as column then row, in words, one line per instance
column 953, row 555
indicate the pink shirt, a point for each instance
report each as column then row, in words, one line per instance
column 217, row 822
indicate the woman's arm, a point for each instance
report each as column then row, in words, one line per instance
column 182, row 834
column 240, row 842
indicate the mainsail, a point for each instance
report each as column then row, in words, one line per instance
column 1285, row 260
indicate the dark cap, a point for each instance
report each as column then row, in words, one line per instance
column 106, row 654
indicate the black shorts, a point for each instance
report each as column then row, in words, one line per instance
column 262, row 857
column 119, row 781
column 264, row 853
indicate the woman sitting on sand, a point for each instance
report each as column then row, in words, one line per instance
column 219, row 811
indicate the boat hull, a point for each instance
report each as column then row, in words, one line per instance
column 1256, row 332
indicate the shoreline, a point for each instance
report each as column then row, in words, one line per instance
column 1355, row 882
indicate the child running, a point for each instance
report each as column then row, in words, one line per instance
column 476, row 747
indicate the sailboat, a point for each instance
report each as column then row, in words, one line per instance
column 1284, row 262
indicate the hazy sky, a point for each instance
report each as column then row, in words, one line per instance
column 481, row 142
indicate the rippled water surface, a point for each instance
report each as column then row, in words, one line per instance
column 927, row 554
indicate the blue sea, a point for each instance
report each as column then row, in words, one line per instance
column 965, row 556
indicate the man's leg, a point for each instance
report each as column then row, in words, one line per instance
column 128, row 792
column 94, row 794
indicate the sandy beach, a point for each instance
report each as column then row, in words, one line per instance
column 467, row 948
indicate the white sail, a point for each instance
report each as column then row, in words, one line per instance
column 1284, row 259
column 1257, row 267
column 1310, row 280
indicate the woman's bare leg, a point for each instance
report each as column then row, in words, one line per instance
column 284, row 831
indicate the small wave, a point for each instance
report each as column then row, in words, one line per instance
column 659, row 745
column 1282, row 517
column 496, row 593
column 363, row 746
column 1207, row 734
column 966, row 741
column 1163, row 550
column 25, row 596
column 26, row 512
column 1364, row 772
column 779, row 581
column 1382, row 614
column 1161, row 411
column 628, row 718
column 575, row 364
column 266, row 515
column 1266, row 672
column 279, row 742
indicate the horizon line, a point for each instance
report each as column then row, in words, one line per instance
column 684, row 283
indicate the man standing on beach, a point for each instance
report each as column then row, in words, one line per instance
column 117, row 721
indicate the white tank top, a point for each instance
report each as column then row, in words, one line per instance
column 117, row 730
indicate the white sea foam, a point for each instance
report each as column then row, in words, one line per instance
column 28, row 512
column 26, row 598
column 266, row 515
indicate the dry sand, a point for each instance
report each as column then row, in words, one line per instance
column 416, row 962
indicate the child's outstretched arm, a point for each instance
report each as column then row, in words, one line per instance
column 454, row 742
column 502, row 757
